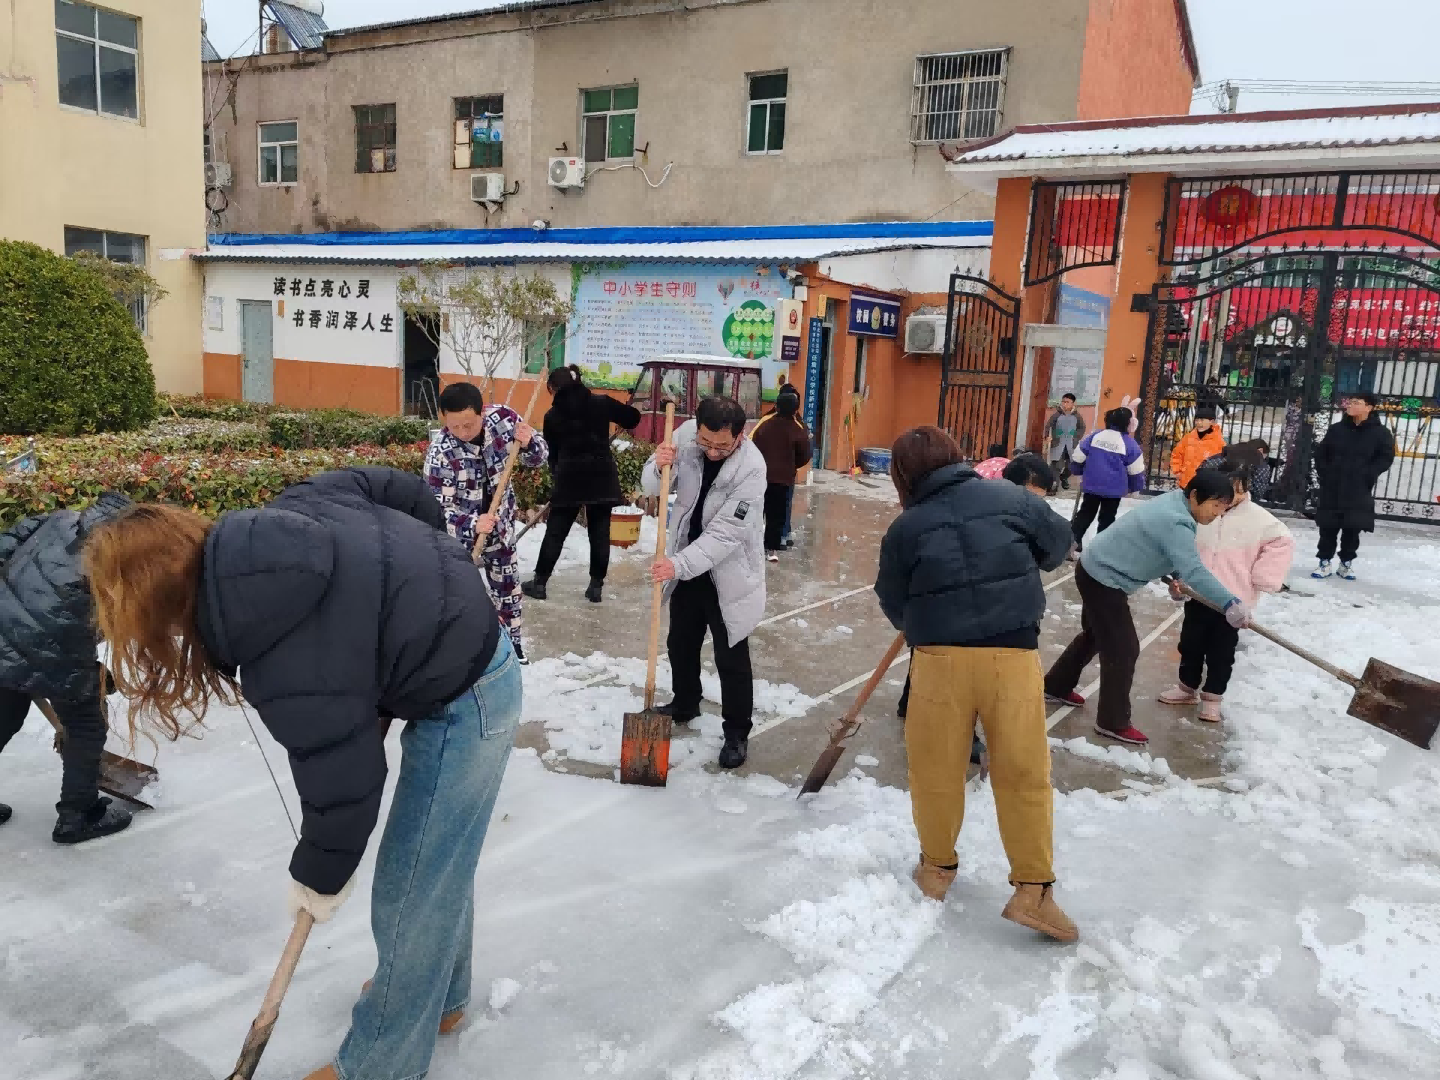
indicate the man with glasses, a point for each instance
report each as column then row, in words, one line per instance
column 715, row 573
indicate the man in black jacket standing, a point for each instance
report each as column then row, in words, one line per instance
column 1354, row 454
column 47, row 650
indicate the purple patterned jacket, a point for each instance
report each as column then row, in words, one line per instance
column 463, row 476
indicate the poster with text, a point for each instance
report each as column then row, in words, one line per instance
column 628, row 313
column 1075, row 371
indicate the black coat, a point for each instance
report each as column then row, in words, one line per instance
column 577, row 430
column 47, row 621
column 1348, row 461
column 342, row 601
column 963, row 562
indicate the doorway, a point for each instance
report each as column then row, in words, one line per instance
column 257, row 360
column 827, row 377
column 422, row 366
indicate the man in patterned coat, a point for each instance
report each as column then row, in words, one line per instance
column 462, row 467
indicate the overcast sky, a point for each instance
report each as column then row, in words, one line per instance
column 1393, row 40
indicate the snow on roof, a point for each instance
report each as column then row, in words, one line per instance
column 1305, row 137
column 799, row 243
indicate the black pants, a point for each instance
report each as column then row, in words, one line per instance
column 694, row 609
column 1090, row 505
column 1349, row 543
column 1107, row 629
column 777, row 497
column 85, row 730
column 557, row 528
column 1207, row 647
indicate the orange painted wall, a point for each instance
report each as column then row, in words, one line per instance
column 1134, row 61
column 307, row 385
column 1138, row 271
column 221, row 376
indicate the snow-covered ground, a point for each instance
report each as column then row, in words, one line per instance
column 1281, row 925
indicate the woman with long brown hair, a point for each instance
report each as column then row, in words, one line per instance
column 338, row 606
column 960, row 577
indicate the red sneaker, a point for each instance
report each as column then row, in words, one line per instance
column 1132, row 735
column 1071, row 698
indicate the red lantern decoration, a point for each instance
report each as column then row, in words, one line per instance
column 1229, row 206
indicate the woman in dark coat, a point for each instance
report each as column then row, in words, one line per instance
column 340, row 605
column 1354, row 454
column 47, row 650
column 583, row 475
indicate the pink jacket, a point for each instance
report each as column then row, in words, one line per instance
column 1248, row 549
column 992, row 467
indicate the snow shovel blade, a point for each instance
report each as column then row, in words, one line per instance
column 823, row 767
column 126, row 778
column 1397, row 701
column 645, row 748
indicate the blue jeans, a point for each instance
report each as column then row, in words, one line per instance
column 422, row 906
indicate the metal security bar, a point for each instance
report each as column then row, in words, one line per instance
column 958, row 96
column 1072, row 225
column 1217, row 216
column 977, row 382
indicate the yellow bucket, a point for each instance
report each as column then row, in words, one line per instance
column 625, row 526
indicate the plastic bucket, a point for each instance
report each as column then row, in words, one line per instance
column 875, row 460
column 625, row 526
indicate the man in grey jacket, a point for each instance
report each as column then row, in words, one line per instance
column 715, row 573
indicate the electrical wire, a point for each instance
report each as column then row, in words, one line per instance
column 638, row 168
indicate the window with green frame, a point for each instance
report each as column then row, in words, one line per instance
column 544, row 351
column 480, row 132
column 608, row 117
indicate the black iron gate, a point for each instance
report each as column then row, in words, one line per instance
column 1276, row 343
column 978, row 373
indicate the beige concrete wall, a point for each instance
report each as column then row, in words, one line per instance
column 60, row 166
column 847, row 152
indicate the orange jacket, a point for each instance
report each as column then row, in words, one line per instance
column 1191, row 451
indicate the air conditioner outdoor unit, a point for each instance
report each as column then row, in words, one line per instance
column 567, row 172
column 218, row 174
column 487, row 187
column 925, row 334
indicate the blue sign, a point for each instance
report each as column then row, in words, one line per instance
column 812, row 374
column 874, row 316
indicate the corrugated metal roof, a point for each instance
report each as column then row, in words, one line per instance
column 306, row 29
column 207, row 51
column 1239, row 133
column 495, row 7
column 749, row 251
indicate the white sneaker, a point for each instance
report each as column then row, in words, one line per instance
column 1323, row 570
column 1347, row 572
column 772, row 556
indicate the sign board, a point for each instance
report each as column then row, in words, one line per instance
column 1077, row 371
column 812, row 373
column 787, row 315
column 627, row 313
column 874, row 316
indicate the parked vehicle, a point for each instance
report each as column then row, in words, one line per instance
column 686, row 380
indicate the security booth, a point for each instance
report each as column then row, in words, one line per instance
column 1268, row 264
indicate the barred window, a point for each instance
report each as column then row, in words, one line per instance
column 375, row 138
column 958, row 96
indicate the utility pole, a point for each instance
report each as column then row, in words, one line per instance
column 1232, row 97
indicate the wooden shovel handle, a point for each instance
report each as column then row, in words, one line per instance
column 1289, row 646
column 503, row 483
column 657, row 591
column 847, row 722
column 285, row 970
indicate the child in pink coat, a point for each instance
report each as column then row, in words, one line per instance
column 1249, row 550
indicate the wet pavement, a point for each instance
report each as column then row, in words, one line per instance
column 838, row 528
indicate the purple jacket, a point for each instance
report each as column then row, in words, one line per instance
column 1109, row 464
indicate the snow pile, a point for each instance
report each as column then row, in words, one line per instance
column 1132, row 761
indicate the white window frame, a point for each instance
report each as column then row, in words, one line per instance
column 769, row 103
column 96, row 44
column 260, row 145
column 924, row 119
column 139, row 310
column 608, row 114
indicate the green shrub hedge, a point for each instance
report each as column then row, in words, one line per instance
column 71, row 360
column 341, row 427
column 194, row 407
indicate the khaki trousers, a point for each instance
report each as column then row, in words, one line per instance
column 950, row 689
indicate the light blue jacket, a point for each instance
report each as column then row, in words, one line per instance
column 1152, row 540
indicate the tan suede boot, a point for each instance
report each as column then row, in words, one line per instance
column 1034, row 906
column 327, row 1073
column 934, row 881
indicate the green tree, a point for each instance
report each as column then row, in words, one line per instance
column 71, row 359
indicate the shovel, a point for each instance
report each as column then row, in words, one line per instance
column 849, row 723
column 264, row 1024
column 1390, row 698
column 122, row 777
column 503, row 483
column 645, row 739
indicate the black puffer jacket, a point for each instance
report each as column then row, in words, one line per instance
column 342, row 600
column 577, row 430
column 47, row 622
column 962, row 564
column 1349, row 460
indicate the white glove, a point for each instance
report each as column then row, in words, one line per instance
column 1238, row 614
column 322, row 908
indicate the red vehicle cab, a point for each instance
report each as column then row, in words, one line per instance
column 686, row 380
